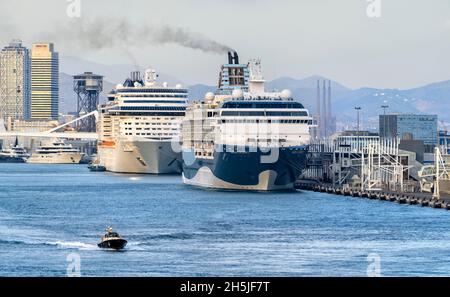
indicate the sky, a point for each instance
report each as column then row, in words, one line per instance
column 407, row 46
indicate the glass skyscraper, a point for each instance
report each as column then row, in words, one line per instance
column 44, row 82
column 420, row 127
column 14, row 82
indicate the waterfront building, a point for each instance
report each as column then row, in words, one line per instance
column 33, row 126
column 411, row 126
column 44, row 82
column 361, row 160
column 444, row 141
column 29, row 126
column 14, row 82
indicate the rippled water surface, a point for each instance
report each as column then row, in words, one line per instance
column 50, row 211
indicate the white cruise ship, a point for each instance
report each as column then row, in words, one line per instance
column 138, row 125
column 242, row 137
column 56, row 153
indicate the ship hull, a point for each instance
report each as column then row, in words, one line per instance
column 9, row 159
column 245, row 170
column 55, row 158
column 146, row 157
column 116, row 244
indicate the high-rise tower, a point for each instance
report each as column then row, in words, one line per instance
column 318, row 113
column 44, row 82
column 326, row 123
column 14, row 82
column 330, row 125
column 324, row 117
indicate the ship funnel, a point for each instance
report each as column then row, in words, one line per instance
column 233, row 58
column 236, row 58
column 230, row 58
column 135, row 76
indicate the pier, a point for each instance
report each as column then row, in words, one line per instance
column 420, row 199
column 366, row 166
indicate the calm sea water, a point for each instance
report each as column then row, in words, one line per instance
column 50, row 211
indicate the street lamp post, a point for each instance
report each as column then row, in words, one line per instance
column 358, row 109
column 384, row 107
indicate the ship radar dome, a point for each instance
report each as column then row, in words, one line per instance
column 286, row 94
column 238, row 93
column 136, row 84
column 119, row 86
column 209, row 96
column 178, row 86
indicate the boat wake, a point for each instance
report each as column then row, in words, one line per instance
column 135, row 246
column 74, row 245
column 60, row 244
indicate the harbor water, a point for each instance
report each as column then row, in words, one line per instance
column 48, row 213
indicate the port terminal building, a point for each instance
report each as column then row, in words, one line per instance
column 405, row 155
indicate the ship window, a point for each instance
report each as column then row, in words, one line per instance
column 155, row 101
column 242, row 113
column 152, row 108
column 155, row 90
column 238, row 104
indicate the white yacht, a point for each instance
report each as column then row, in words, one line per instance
column 56, row 153
column 242, row 137
column 15, row 154
column 138, row 125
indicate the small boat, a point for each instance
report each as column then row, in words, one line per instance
column 56, row 153
column 15, row 154
column 112, row 240
column 96, row 167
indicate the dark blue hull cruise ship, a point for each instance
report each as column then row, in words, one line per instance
column 242, row 137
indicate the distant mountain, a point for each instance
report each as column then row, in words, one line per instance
column 197, row 92
column 305, row 83
column 303, row 90
column 371, row 100
column 430, row 99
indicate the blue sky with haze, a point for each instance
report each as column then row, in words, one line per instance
column 407, row 47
